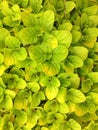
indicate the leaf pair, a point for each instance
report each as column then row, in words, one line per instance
column 11, row 16
column 51, row 84
column 11, row 56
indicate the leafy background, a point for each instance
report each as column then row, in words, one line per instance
column 48, row 64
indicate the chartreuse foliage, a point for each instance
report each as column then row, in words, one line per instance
column 48, row 64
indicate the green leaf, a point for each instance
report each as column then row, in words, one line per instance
column 61, row 97
column 12, row 42
column 74, row 125
column 75, row 80
column 41, row 95
column 86, row 107
column 29, row 19
column 33, row 86
column 11, row 93
column 35, row 100
column 16, row 13
column 51, row 92
column 91, row 10
column 47, row 20
column 80, row 51
column 33, row 118
column 76, row 96
column 64, row 79
column 94, row 97
column 2, row 69
column 27, row 35
column 36, row 5
column 90, row 126
column 21, row 100
column 3, row 34
column 84, row 18
column 4, row 104
column 90, row 33
column 63, row 37
column 75, row 61
column 5, row 8
column 21, row 118
column 2, row 83
column 70, row 5
column 50, row 68
column 20, row 54
column 16, row 8
column 22, row 3
column 63, row 108
column 93, row 20
column 65, row 26
column 68, row 67
column 36, row 53
column 9, row 22
column 93, row 76
column 60, row 5
column 59, row 53
column 50, row 42
column 96, row 47
column 1, row 58
column 76, row 36
column 44, row 128
column 86, row 85
column 51, row 106
column 1, row 94
column 20, row 84
column 8, row 57
column 71, row 106
column 49, row 81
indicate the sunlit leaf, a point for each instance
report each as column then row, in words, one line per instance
column 59, row 53
column 12, row 42
column 61, row 97
column 36, row 53
column 36, row 5
column 49, row 81
column 75, row 95
column 29, row 19
column 1, row 58
column 66, row 26
column 70, row 5
column 33, row 86
column 50, row 42
column 75, row 61
column 47, row 20
column 51, row 92
column 63, row 37
column 63, row 108
column 80, row 51
column 91, row 10
column 93, row 76
column 74, row 125
column 27, row 35
column 20, row 54
column 50, row 68
column 4, row 33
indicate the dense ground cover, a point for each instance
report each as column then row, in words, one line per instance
column 48, row 64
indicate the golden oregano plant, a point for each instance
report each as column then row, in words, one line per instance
column 48, row 64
